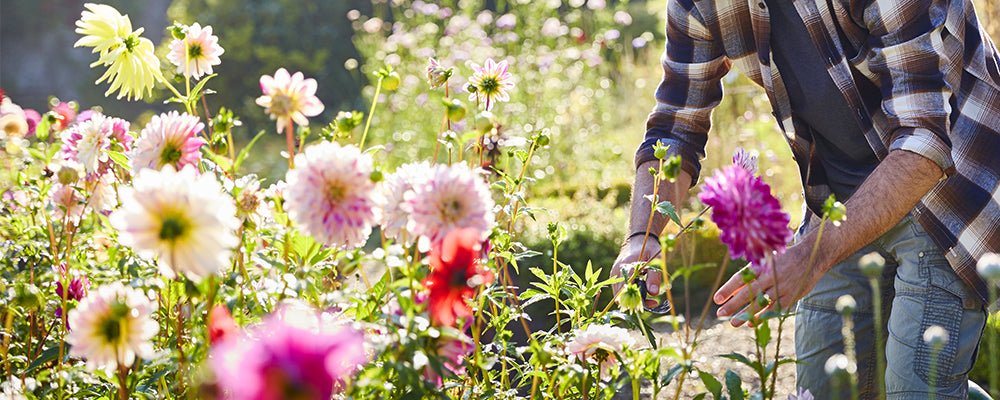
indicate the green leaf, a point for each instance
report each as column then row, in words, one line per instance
column 700, row 396
column 734, row 385
column 243, row 153
column 665, row 208
column 42, row 130
column 711, row 384
column 742, row 359
column 48, row 355
column 224, row 163
column 672, row 373
column 118, row 158
column 201, row 84
column 763, row 333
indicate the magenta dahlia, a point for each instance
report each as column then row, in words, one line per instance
column 751, row 220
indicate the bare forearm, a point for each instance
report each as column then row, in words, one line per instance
column 890, row 192
column 674, row 192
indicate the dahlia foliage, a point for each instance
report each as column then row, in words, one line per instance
column 143, row 260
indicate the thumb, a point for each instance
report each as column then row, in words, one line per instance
column 653, row 281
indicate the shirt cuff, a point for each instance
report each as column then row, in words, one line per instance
column 925, row 143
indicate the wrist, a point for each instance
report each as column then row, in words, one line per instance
column 640, row 236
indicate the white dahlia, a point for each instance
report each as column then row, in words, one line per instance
column 112, row 326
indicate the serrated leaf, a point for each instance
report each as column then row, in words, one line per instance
column 666, row 208
column 672, row 373
column 763, row 333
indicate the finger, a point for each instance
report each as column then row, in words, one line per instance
column 728, row 289
column 616, row 271
column 741, row 298
column 653, row 281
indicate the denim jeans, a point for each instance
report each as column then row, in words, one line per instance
column 919, row 289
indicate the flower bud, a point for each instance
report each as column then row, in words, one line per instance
column 989, row 267
column 27, row 296
column 660, row 153
column 456, row 110
column 672, row 168
column 346, row 121
column 936, row 337
column 68, row 175
column 543, row 139
column 436, row 74
column 839, row 366
column 871, row 264
column 834, row 210
column 390, row 81
column 846, row 305
column 484, row 121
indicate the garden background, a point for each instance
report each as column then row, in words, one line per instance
column 584, row 73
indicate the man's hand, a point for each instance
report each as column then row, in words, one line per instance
column 785, row 281
column 633, row 252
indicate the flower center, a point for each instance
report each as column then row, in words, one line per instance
column 489, row 85
column 131, row 41
column 170, row 155
column 336, row 192
column 451, row 211
column 282, row 104
column 459, row 278
column 173, row 227
column 194, row 51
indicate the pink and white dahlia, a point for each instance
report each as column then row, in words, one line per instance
column 330, row 194
column 751, row 220
column 284, row 358
column 88, row 142
column 599, row 343
column 452, row 197
column 197, row 53
column 491, row 83
column 112, row 326
column 183, row 218
column 289, row 97
column 168, row 139
column 394, row 191
column 102, row 197
column 746, row 160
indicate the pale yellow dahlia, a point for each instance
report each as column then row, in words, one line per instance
column 132, row 66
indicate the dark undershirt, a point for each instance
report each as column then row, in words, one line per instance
column 841, row 146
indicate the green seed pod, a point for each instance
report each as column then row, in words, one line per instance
column 456, row 110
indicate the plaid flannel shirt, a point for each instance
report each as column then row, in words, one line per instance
column 921, row 74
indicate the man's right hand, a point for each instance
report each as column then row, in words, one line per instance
column 633, row 252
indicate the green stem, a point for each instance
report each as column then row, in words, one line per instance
column 371, row 112
column 879, row 346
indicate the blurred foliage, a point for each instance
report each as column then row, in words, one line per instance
column 261, row 36
column 981, row 370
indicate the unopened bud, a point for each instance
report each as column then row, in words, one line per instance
column 390, row 81
column 846, row 304
column 871, row 264
column 989, row 267
column 936, row 337
column 456, row 110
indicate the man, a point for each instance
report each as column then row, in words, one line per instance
column 894, row 107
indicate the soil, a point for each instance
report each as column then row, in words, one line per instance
column 719, row 337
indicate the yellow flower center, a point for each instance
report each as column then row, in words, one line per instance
column 194, row 51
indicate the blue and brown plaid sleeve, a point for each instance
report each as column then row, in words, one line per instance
column 693, row 66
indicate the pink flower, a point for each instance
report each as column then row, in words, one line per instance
column 491, row 83
column 289, row 97
column 88, row 142
column 450, row 351
column 746, row 160
column 282, row 359
column 197, row 53
column 453, row 197
column 65, row 115
column 395, row 189
column 168, row 139
column 330, row 194
column 802, row 394
column 751, row 220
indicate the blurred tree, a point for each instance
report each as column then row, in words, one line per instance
column 259, row 37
